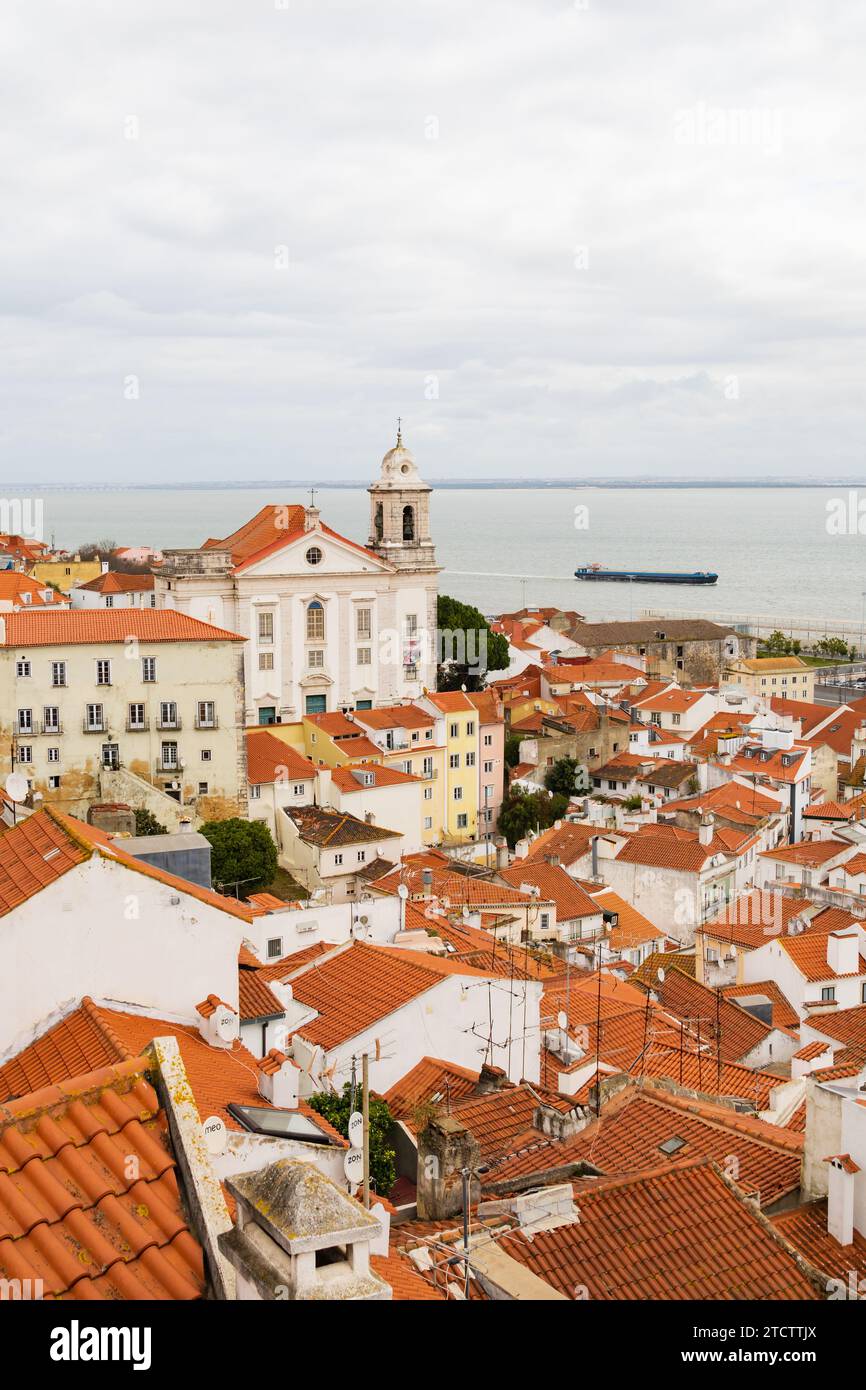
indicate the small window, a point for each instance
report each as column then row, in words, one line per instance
column 454, row 731
column 364, row 656
column 314, row 555
column 274, row 947
column 54, row 782
column 103, row 673
column 22, row 668
column 828, row 992
column 206, row 755
column 255, row 793
column 462, row 821
column 58, row 672
column 338, row 859
column 266, row 627
column 54, row 755
column 202, row 788
column 315, row 622
column 148, row 669
column 266, row 661
column 365, row 622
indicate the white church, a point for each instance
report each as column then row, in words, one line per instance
column 330, row 624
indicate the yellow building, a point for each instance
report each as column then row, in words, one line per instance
column 66, row 574
column 785, row 676
column 457, row 727
column 140, row 706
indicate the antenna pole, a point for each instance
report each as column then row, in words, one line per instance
column 365, row 1076
column 466, row 1230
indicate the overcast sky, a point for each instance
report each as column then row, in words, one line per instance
column 611, row 237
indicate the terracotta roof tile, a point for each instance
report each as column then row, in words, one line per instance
column 269, row 759
column 74, row 626
column 806, row 1229
column 647, row 1237
column 70, row 1213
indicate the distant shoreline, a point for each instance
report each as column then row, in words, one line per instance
column 452, row 484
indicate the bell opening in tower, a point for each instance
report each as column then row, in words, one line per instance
column 408, row 523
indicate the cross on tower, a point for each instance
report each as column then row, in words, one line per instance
column 399, row 431
column 313, row 492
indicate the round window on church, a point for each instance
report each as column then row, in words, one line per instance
column 405, row 468
column 314, row 555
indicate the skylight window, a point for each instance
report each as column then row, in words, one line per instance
column 280, row 1124
column 672, row 1145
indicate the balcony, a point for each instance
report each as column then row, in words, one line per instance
column 94, row 727
column 170, row 724
column 140, row 726
column 169, row 767
column 212, row 723
column 430, row 774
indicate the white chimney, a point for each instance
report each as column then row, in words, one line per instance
column 2, row 632
column 218, row 1022
column 323, row 786
column 705, row 833
column 840, row 1198
column 843, row 954
column 278, row 1080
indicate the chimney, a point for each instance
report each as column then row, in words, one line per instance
column 594, row 846
column 323, row 786
column 705, row 833
column 490, row 1078
column 2, row 632
column 559, row 1124
column 840, row 1197
column 104, row 566
column 278, row 1080
column 184, row 825
column 843, row 952
column 445, row 1148
column 218, row 1022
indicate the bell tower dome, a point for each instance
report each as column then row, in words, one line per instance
column 400, row 512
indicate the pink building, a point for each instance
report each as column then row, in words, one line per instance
column 491, row 758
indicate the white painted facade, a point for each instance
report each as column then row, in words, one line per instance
column 118, row 935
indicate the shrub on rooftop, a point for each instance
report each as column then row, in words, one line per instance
column 243, row 855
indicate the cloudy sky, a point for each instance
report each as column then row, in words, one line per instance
column 602, row 238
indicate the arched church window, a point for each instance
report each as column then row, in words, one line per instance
column 408, row 523
column 315, row 622
column 379, row 522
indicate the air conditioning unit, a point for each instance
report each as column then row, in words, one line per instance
column 304, row 927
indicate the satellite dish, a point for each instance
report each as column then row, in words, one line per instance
column 226, row 1026
column 562, row 1019
column 353, row 1165
column 660, row 975
column 356, row 1129
column 402, row 891
column 16, row 786
column 214, row 1135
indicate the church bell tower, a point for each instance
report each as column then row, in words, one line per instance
column 400, row 512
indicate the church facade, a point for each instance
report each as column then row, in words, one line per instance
column 330, row 624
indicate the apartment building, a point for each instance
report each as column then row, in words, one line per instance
column 457, row 727
column 134, row 704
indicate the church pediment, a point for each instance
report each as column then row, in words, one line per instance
column 312, row 553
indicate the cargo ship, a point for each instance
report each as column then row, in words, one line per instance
column 598, row 572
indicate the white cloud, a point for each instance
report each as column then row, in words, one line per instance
column 583, row 223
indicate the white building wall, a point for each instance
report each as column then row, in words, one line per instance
column 117, row 935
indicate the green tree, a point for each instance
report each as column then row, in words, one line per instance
column 512, row 750
column 467, row 649
column 337, row 1109
column 146, row 823
column 777, row 644
column 244, row 856
column 524, row 811
column 562, row 777
column 832, row 646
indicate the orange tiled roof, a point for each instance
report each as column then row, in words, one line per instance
column 430, row 1080
column 353, row 989
column 784, row 1014
column 808, row 951
column 116, row 582
column 394, row 717
column 271, row 528
column 95, row 1036
column 846, row 1026
column 269, row 759
column 568, row 843
column 647, row 1237
column 697, row 1005
column 627, row 1136
column 806, row 1229
column 256, row 1001
column 39, row 850
column 345, row 777
column 102, row 626
column 23, row 592
column 554, row 885
column 70, row 1213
